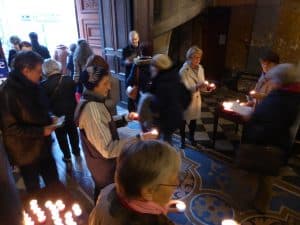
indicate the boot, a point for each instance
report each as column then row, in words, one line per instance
column 192, row 128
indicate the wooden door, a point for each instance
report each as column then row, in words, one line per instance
column 87, row 12
column 115, row 24
column 214, row 38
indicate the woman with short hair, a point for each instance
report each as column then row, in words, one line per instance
column 192, row 75
column 98, row 128
column 146, row 177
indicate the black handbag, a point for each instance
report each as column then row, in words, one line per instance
column 265, row 160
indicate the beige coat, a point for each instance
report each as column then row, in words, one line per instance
column 190, row 80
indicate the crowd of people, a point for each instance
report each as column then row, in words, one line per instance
column 134, row 177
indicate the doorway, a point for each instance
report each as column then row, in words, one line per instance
column 53, row 20
column 215, row 25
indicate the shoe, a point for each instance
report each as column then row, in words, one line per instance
column 66, row 160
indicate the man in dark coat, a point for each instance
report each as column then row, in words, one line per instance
column 61, row 92
column 128, row 54
column 36, row 47
column 165, row 88
column 25, row 122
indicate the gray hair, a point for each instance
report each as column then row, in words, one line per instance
column 282, row 74
column 145, row 163
column 193, row 50
column 51, row 66
column 133, row 33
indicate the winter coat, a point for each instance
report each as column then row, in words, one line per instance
column 63, row 101
column 24, row 113
column 190, row 80
column 129, row 52
column 166, row 102
column 110, row 211
column 41, row 50
column 275, row 120
column 61, row 54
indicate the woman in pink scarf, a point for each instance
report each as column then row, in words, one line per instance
column 146, row 177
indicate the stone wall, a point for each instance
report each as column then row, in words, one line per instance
column 287, row 35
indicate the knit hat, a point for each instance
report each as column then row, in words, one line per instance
column 51, row 66
column 161, row 61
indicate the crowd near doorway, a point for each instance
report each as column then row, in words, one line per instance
column 53, row 20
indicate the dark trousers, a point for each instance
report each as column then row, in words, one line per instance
column 192, row 128
column 45, row 167
column 68, row 130
column 131, row 105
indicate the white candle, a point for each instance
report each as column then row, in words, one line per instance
column 154, row 131
column 76, row 209
column 212, row 85
column 229, row 222
column 206, row 82
column 252, row 92
column 180, row 205
column 48, row 204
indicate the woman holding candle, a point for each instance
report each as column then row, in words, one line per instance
column 146, row 177
column 98, row 129
column 192, row 75
column 262, row 88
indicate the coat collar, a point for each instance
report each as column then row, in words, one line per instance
column 92, row 96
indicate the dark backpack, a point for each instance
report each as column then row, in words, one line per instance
column 186, row 96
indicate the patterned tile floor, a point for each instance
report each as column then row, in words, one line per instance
column 226, row 142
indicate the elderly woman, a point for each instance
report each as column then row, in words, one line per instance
column 166, row 104
column 192, row 75
column 98, row 129
column 61, row 92
column 277, row 129
column 146, row 176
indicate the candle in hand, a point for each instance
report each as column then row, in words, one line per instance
column 180, row 206
column 252, row 92
column 206, row 82
column 135, row 116
column 229, row 222
column 154, row 132
column 212, row 85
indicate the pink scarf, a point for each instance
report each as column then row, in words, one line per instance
column 144, row 207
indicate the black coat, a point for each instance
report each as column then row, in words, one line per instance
column 42, row 50
column 63, row 101
column 23, row 115
column 275, row 120
column 132, row 52
column 166, row 88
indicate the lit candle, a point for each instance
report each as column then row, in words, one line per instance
column 229, row 222
column 180, row 206
column 42, row 219
column 252, row 92
column 76, row 209
column 212, row 85
column 227, row 105
column 33, row 202
column 154, row 131
column 60, row 205
column 48, row 204
column 68, row 215
column 206, row 82
column 135, row 116
column 238, row 101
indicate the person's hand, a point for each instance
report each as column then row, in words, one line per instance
column 201, row 85
column 128, row 61
column 257, row 95
column 48, row 130
column 172, row 206
column 133, row 116
column 149, row 135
